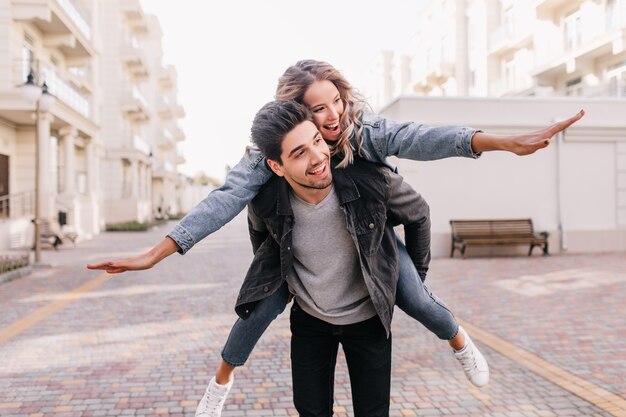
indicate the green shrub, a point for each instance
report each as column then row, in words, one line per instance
column 10, row 263
column 132, row 226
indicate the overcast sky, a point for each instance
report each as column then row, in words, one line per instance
column 229, row 55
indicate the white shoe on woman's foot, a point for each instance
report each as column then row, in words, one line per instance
column 473, row 362
column 213, row 400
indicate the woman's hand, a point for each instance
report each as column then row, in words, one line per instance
column 522, row 144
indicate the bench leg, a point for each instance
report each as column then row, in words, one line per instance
column 545, row 249
column 530, row 251
column 463, row 250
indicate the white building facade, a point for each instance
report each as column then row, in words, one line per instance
column 97, row 144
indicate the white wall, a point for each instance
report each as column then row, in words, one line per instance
column 575, row 183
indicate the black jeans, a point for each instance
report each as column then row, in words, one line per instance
column 314, row 346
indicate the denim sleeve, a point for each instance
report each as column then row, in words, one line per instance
column 409, row 140
column 242, row 184
column 407, row 207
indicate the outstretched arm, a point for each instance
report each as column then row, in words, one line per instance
column 522, row 144
column 146, row 260
column 242, row 184
column 382, row 138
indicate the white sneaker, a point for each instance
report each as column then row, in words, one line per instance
column 473, row 362
column 213, row 401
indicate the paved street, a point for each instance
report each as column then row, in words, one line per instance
column 75, row 342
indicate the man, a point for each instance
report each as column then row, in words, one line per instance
column 329, row 234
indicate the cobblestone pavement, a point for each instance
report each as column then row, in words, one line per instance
column 75, row 342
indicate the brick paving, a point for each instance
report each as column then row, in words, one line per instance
column 147, row 343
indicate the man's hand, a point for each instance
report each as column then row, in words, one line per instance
column 135, row 263
column 163, row 249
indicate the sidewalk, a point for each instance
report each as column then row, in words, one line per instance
column 75, row 342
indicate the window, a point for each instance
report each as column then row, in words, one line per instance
column 574, row 88
column 614, row 13
column 572, row 30
column 508, row 21
column 617, row 80
column 508, row 74
column 28, row 56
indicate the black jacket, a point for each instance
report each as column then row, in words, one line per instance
column 374, row 199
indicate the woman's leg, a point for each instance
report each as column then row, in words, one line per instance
column 414, row 298
column 244, row 335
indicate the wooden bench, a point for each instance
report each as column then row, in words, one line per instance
column 496, row 232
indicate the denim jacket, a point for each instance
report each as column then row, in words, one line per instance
column 374, row 200
column 380, row 138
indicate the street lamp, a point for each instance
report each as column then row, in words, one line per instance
column 43, row 100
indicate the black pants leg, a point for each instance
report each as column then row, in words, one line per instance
column 313, row 359
column 314, row 345
column 368, row 354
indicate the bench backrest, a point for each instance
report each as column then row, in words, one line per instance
column 467, row 229
column 48, row 227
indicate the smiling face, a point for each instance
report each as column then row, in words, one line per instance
column 324, row 101
column 305, row 163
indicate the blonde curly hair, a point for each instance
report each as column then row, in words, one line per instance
column 296, row 80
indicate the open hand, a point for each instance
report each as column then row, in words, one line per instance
column 135, row 263
column 528, row 143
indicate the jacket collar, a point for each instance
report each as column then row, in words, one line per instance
column 345, row 187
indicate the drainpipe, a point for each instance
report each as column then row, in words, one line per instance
column 560, row 139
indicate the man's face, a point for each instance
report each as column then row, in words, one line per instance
column 305, row 161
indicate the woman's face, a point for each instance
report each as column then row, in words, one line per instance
column 323, row 99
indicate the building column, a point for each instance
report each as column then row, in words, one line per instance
column 46, row 200
column 91, row 162
column 134, row 178
column 69, row 135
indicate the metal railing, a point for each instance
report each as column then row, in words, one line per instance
column 57, row 85
column 17, row 205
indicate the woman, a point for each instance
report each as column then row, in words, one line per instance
column 339, row 115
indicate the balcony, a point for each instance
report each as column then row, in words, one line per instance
column 506, row 40
column 66, row 93
column 177, row 133
column 63, row 23
column 59, row 85
column 134, row 104
column 170, row 110
column 81, row 77
column 166, row 140
column 163, row 169
column 167, row 77
column 605, row 45
column 546, row 8
column 134, row 15
column 518, row 86
column 179, row 158
column 134, row 58
column 141, row 145
column 439, row 74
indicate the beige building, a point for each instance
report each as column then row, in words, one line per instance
column 53, row 41
column 111, row 135
column 140, row 117
column 543, row 60
column 509, row 48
